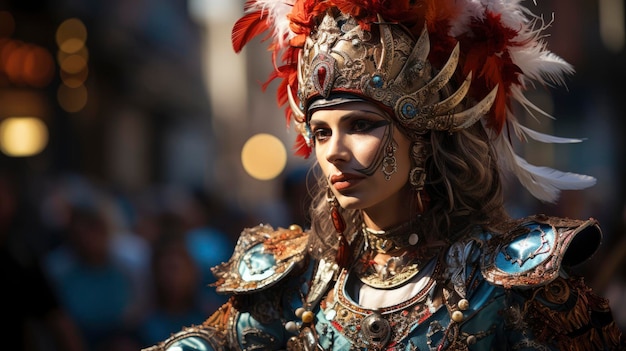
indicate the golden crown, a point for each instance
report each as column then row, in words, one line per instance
column 387, row 66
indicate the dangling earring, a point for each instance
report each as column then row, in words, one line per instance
column 390, row 165
column 344, row 251
column 417, row 177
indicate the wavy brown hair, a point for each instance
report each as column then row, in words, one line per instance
column 462, row 181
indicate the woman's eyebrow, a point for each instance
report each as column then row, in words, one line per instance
column 350, row 115
column 363, row 113
column 314, row 122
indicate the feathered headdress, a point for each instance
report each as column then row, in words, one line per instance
column 494, row 49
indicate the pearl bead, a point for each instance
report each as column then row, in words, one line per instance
column 457, row 316
column 291, row 326
column 331, row 314
column 299, row 312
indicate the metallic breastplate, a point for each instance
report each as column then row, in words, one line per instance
column 385, row 327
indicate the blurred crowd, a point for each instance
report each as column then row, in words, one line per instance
column 89, row 268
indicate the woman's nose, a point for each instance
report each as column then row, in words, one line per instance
column 337, row 150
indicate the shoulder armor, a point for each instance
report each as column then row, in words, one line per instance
column 262, row 257
column 195, row 338
column 532, row 250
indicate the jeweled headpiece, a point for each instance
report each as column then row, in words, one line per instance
column 438, row 65
column 388, row 67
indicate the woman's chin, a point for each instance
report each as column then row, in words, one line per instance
column 350, row 203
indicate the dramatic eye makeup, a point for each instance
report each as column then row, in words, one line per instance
column 360, row 122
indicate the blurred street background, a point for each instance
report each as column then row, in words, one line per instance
column 135, row 145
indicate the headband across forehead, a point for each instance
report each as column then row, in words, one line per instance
column 437, row 65
column 330, row 101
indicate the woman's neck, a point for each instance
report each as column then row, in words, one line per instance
column 390, row 212
column 377, row 220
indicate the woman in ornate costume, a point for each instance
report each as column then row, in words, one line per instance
column 407, row 108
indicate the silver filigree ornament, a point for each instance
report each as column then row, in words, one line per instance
column 376, row 330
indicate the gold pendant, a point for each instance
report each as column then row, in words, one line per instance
column 388, row 280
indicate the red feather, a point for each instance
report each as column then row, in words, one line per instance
column 486, row 54
column 301, row 148
column 302, row 16
column 248, row 27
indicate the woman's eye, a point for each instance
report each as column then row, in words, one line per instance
column 321, row 134
column 364, row 125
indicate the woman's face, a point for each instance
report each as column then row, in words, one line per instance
column 349, row 138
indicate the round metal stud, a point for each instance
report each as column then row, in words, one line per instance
column 308, row 317
column 376, row 330
column 295, row 228
column 471, row 340
column 457, row 316
column 463, row 304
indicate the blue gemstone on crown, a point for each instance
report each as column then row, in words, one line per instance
column 377, row 81
column 409, row 110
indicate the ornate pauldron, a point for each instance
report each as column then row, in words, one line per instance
column 262, row 257
column 192, row 339
column 533, row 250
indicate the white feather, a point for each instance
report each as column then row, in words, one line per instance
column 541, row 65
column 523, row 133
column 277, row 11
column 518, row 95
column 546, row 138
column 468, row 10
column 511, row 12
column 544, row 183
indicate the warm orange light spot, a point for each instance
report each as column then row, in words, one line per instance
column 264, row 156
column 22, row 136
column 38, row 67
column 71, row 35
column 72, row 99
column 73, row 64
column 75, row 80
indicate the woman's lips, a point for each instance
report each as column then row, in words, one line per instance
column 345, row 180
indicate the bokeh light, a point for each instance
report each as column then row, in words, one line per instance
column 264, row 156
column 26, row 64
column 73, row 64
column 74, row 80
column 73, row 60
column 71, row 35
column 23, row 136
column 72, row 99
